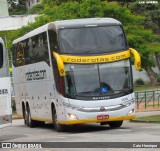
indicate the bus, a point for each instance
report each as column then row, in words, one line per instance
column 5, row 88
column 74, row 72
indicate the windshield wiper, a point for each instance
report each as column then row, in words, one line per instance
column 123, row 91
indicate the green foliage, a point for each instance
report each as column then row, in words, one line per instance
column 149, row 42
column 139, row 82
column 151, row 13
column 18, row 9
column 36, row 9
column 158, row 78
column 91, row 8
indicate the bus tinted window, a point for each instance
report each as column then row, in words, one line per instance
column 53, row 40
column 1, row 55
column 31, row 50
column 92, row 40
column 37, row 48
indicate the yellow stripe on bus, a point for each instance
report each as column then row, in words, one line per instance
column 137, row 58
column 95, row 59
column 60, row 64
column 95, row 120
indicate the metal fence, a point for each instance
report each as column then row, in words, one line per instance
column 148, row 98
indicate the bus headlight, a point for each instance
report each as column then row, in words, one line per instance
column 131, row 112
column 72, row 116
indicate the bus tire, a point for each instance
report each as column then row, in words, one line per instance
column 115, row 124
column 25, row 117
column 31, row 123
column 24, row 113
column 58, row 127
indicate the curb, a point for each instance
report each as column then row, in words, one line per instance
column 140, row 121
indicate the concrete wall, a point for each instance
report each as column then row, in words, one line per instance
column 142, row 74
column 15, row 22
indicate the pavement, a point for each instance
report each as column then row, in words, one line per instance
column 147, row 113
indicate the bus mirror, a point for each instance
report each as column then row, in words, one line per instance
column 60, row 64
column 137, row 58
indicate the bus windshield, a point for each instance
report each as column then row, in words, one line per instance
column 98, row 79
column 92, row 40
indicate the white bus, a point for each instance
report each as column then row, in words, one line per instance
column 74, row 72
column 5, row 88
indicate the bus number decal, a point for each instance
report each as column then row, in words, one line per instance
column 36, row 75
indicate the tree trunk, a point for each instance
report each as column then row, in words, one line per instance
column 152, row 75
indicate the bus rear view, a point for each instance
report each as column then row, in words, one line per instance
column 5, row 89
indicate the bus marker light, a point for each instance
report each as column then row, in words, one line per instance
column 102, row 117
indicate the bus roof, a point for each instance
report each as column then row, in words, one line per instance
column 68, row 24
column 85, row 21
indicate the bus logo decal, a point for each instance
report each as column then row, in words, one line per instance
column 102, row 109
column 95, row 59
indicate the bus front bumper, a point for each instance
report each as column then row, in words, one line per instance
column 94, row 120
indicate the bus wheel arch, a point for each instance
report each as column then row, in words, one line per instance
column 58, row 127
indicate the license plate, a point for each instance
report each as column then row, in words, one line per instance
column 102, row 117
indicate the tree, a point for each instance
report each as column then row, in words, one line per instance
column 17, row 9
column 151, row 13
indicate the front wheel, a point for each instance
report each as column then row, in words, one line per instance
column 58, row 127
column 115, row 124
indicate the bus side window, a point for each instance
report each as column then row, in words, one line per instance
column 53, row 40
column 1, row 55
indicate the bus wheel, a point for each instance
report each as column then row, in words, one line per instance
column 31, row 123
column 25, row 117
column 24, row 114
column 58, row 127
column 115, row 124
